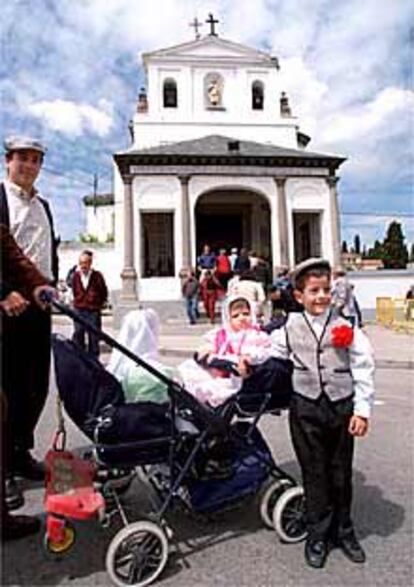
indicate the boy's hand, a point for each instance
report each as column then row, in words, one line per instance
column 358, row 426
column 243, row 366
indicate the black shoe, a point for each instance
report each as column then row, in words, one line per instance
column 316, row 552
column 13, row 494
column 351, row 548
column 24, row 465
column 14, row 527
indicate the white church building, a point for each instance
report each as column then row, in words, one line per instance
column 217, row 157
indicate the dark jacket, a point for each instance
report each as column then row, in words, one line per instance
column 94, row 296
column 190, row 287
column 5, row 219
column 17, row 271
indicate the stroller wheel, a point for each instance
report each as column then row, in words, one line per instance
column 56, row 548
column 288, row 515
column 269, row 498
column 137, row 554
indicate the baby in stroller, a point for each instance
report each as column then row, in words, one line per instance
column 233, row 358
column 239, row 342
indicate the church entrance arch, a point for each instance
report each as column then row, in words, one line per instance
column 226, row 218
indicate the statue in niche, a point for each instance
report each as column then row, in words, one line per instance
column 285, row 110
column 213, row 92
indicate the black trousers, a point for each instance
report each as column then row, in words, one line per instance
column 80, row 332
column 25, row 369
column 324, row 449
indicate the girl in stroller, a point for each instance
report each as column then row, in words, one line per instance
column 239, row 341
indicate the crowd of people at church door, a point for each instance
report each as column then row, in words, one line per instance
column 232, row 271
column 227, row 272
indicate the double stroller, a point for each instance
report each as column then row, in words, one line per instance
column 188, row 454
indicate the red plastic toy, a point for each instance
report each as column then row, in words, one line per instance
column 70, row 493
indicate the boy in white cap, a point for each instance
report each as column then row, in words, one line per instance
column 333, row 394
column 26, row 352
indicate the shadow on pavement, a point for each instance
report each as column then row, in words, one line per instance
column 373, row 513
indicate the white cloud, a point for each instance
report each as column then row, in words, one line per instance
column 345, row 67
column 73, row 118
column 384, row 113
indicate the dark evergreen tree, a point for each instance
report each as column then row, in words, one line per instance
column 344, row 247
column 357, row 244
column 394, row 251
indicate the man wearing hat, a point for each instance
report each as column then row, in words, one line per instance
column 26, row 348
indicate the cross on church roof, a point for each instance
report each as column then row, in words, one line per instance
column 196, row 24
column 211, row 21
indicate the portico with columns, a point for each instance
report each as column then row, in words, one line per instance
column 216, row 159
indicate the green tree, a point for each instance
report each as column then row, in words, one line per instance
column 344, row 247
column 394, row 251
column 375, row 252
column 357, row 244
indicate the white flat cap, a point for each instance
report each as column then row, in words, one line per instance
column 307, row 265
column 20, row 143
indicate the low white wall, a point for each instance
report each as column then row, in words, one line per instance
column 368, row 284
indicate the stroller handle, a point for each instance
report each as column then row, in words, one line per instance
column 176, row 391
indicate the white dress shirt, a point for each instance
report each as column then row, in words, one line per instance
column 30, row 227
column 361, row 357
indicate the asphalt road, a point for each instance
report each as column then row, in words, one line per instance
column 235, row 549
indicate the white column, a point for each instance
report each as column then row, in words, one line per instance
column 185, row 220
column 282, row 220
column 128, row 275
column 334, row 217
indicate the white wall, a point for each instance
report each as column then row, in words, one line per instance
column 100, row 221
column 310, row 195
column 368, row 284
column 387, row 283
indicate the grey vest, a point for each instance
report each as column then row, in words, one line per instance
column 319, row 367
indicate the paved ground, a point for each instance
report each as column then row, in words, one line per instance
column 235, row 549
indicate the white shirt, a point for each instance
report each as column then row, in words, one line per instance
column 361, row 362
column 85, row 278
column 30, row 227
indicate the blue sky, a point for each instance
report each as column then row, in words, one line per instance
column 70, row 73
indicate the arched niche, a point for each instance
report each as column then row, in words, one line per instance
column 257, row 95
column 169, row 93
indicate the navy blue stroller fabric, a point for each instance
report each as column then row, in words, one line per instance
column 273, row 377
column 94, row 397
column 251, row 464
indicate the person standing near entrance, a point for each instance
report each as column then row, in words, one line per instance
column 206, row 261
column 223, row 269
column 190, row 289
column 27, row 339
column 210, row 288
column 89, row 296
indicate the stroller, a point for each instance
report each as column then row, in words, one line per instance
column 188, row 453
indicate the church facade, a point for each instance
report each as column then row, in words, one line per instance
column 217, row 157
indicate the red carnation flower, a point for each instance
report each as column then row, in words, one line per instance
column 342, row 336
